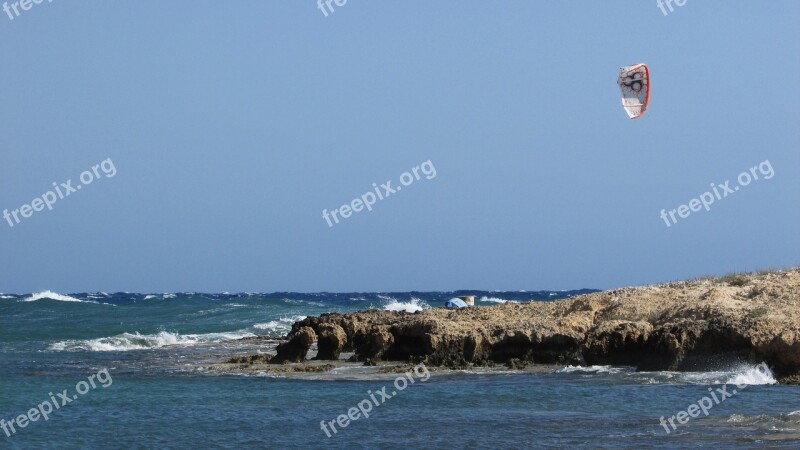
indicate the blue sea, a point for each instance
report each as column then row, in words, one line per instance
column 134, row 369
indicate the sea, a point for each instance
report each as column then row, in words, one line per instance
column 123, row 370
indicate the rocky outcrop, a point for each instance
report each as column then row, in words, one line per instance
column 332, row 340
column 296, row 348
column 692, row 325
column 372, row 344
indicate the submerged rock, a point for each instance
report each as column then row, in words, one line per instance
column 250, row 359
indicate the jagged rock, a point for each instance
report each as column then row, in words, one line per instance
column 296, row 348
column 332, row 340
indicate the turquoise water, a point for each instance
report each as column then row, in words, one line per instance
column 159, row 394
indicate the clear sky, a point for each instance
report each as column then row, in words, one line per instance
column 232, row 125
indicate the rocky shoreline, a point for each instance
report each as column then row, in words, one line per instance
column 683, row 326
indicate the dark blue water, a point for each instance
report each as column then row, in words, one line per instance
column 149, row 356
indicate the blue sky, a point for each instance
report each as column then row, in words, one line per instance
column 233, row 125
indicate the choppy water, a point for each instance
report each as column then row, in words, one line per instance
column 155, row 346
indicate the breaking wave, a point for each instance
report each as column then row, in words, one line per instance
column 280, row 326
column 136, row 341
column 753, row 375
column 742, row 374
column 415, row 305
column 593, row 369
column 166, row 296
column 55, row 296
column 495, row 300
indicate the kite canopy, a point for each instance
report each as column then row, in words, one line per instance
column 634, row 82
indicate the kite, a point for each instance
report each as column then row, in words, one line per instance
column 634, row 82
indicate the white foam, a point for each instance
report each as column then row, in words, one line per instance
column 495, row 300
column 6, row 296
column 281, row 325
column 159, row 296
column 302, row 302
column 54, row 296
column 736, row 418
column 412, row 306
column 742, row 374
column 753, row 375
column 591, row 369
column 135, row 341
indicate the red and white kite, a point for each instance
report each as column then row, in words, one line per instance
column 634, row 82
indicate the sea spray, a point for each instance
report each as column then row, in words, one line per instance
column 415, row 305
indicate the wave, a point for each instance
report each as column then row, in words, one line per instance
column 7, row 296
column 776, row 427
column 280, row 326
column 160, row 296
column 753, row 375
column 303, row 302
column 742, row 374
column 135, row 341
column 55, row 296
column 495, row 300
column 415, row 305
column 593, row 369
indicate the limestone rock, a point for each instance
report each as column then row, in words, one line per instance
column 296, row 348
column 332, row 340
column 687, row 325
